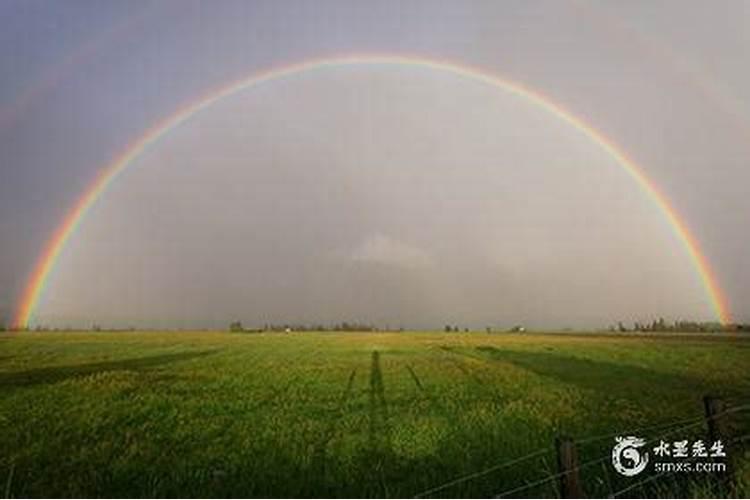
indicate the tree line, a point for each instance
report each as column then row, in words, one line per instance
column 657, row 325
column 660, row 325
column 344, row 326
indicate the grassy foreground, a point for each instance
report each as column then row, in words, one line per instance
column 333, row 414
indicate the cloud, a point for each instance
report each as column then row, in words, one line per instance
column 381, row 249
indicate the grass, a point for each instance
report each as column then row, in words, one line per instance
column 332, row 414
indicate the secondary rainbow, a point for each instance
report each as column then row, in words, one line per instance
column 35, row 286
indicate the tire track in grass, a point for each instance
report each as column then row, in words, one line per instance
column 321, row 447
column 258, row 403
column 428, row 396
column 452, row 413
column 436, row 408
column 278, row 391
column 339, row 412
column 298, row 375
column 379, row 429
column 486, row 388
column 415, row 378
column 300, row 379
column 495, row 438
column 380, row 460
column 459, row 441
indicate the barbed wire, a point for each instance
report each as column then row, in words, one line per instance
column 484, row 472
column 697, row 420
column 552, row 477
column 640, row 429
column 640, row 483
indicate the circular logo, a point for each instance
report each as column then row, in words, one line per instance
column 627, row 458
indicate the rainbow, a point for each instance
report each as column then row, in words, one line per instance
column 35, row 286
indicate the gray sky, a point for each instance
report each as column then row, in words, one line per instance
column 401, row 196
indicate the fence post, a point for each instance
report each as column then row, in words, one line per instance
column 716, row 418
column 567, row 464
column 719, row 430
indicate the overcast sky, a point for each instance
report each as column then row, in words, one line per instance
column 402, row 196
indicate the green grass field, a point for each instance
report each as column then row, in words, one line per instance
column 332, row 414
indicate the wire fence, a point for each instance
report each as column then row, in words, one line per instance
column 670, row 429
column 484, row 472
column 601, row 459
column 550, row 478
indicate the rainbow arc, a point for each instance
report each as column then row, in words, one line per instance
column 46, row 263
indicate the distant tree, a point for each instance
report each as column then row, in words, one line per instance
column 235, row 326
column 489, row 329
column 621, row 327
column 448, row 328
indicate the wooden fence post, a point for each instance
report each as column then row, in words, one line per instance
column 716, row 418
column 717, row 421
column 567, row 464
